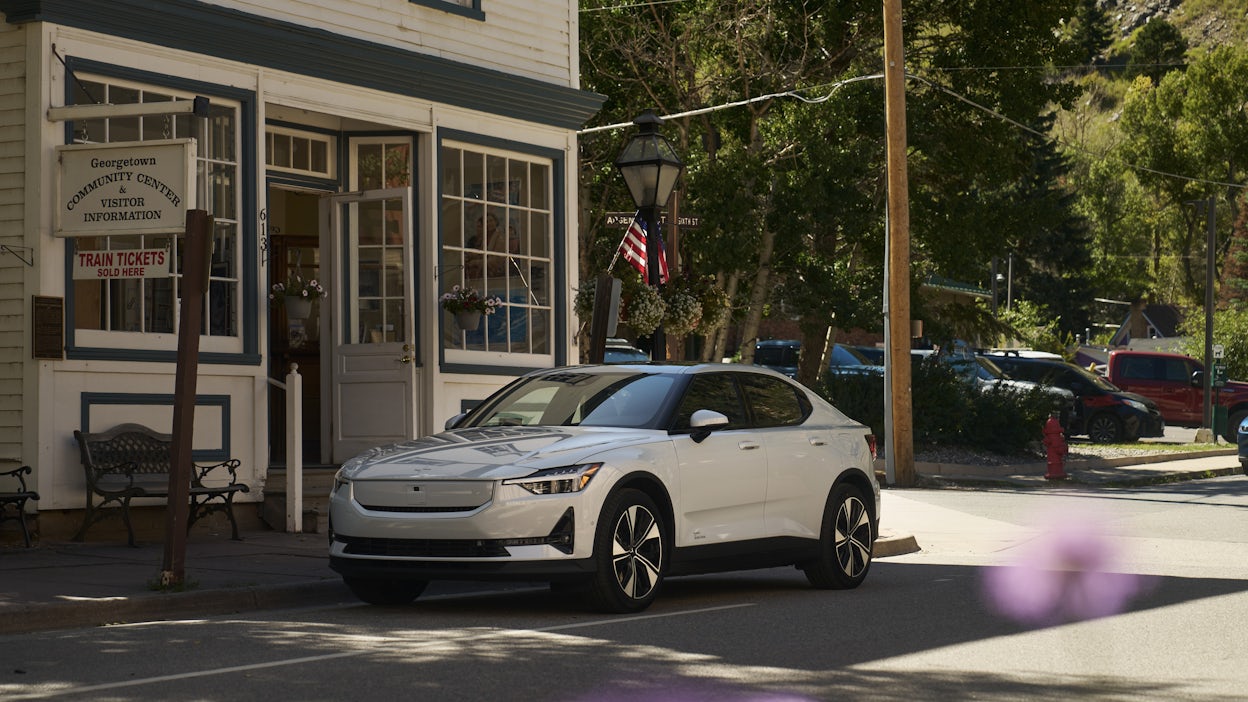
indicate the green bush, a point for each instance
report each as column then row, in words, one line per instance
column 947, row 410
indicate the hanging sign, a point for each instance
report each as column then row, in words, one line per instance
column 136, row 187
column 121, row 263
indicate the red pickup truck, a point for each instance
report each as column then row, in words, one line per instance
column 1177, row 384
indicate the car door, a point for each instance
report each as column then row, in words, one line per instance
column 723, row 478
column 798, row 459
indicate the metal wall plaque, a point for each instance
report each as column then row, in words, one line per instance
column 48, row 327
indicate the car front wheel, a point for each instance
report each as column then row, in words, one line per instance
column 845, row 542
column 377, row 591
column 631, row 551
column 1104, row 428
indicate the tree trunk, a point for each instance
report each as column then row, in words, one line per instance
column 817, row 338
column 758, row 297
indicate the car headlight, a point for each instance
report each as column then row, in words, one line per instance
column 1136, row 405
column 340, row 480
column 556, row 481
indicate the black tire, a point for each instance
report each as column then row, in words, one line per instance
column 1232, row 427
column 1104, row 428
column 631, row 550
column 378, row 591
column 846, row 541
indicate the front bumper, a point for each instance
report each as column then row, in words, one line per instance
column 511, row 534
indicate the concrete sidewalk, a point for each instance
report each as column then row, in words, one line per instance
column 58, row 585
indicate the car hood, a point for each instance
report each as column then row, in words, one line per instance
column 1137, row 398
column 490, row 453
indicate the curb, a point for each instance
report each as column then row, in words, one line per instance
column 25, row 619
column 1040, row 467
column 1039, row 481
column 894, row 545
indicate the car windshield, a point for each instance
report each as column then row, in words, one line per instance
column 845, row 356
column 571, row 398
column 776, row 355
column 624, row 354
column 1096, row 381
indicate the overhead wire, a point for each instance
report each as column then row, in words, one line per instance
column 833, row 87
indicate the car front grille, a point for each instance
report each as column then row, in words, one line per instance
column 422, row 548
column 417, row 510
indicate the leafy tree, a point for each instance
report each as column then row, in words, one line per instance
column 1091, row 31
column 1159, row 48
column 1187, row 139
column 791, row 195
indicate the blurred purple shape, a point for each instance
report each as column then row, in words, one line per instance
column 1068, row 573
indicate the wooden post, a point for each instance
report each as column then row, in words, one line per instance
column 196, row 256
column 899, row 454
column 294, row 450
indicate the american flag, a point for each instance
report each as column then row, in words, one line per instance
column 633, row 249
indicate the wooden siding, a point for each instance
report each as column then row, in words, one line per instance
column 12, row 226
column 531, row 38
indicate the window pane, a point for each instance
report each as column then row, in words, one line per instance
column 280, row 154
column 774, row 402
column 715, row 392
column 369, row 166
column 452, row 174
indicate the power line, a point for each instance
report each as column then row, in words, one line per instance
column 833, row 87
column 629, row 7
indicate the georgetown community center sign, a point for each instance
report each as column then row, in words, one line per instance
column 140, row 187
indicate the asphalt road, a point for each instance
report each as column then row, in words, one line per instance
column 922, row 626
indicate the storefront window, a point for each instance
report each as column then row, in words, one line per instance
column 497, row 235
column 149, row 305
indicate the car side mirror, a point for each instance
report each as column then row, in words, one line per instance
column 705, row 421
column 450, row 423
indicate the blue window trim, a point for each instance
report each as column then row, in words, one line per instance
column 87, row 400
column 473, row 12
column 558, row 257
column 248, row 323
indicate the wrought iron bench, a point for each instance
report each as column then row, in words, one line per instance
column 131, row 460
column 17, row 500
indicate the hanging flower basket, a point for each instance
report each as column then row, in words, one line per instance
column 467, row 305
column 298, row 307
column 645, row 310
column 468, row 321
column 297, row 295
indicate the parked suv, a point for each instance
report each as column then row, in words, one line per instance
column 985, row 374
column 1103, row 412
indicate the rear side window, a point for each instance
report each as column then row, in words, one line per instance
column 1178, row 370
column 711, row 391
column 775, row 403
column 1140, row 368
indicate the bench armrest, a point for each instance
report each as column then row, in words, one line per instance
column 201, row 471
column 18, row 473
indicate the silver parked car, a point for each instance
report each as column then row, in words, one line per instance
column 608, row 479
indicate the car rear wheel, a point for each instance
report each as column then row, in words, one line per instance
column 1104, row 428
column 845, row 542
column 377, row 591
column 1232, row 427
column 631, row 550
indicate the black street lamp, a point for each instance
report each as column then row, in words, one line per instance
column 650, row 168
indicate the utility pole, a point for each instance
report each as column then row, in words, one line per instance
column 899, row 456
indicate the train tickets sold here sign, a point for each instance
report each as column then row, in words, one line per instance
column 138, row 187
column 122, row 263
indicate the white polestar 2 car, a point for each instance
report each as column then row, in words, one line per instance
column 607, row 479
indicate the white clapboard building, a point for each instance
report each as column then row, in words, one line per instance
column 386, row 149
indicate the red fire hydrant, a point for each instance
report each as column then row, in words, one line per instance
column 1055, row 449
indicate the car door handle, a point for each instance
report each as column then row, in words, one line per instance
column 816, row 441
column 747, row 445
